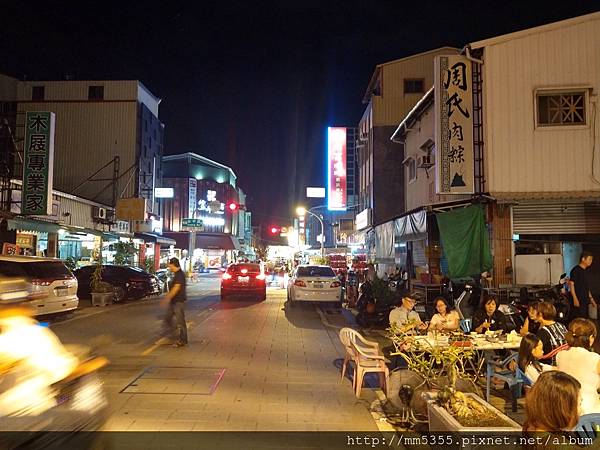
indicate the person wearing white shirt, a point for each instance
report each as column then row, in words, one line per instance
column 405, row 317
column 530, row 351
column 445, row 319
column 582, row 363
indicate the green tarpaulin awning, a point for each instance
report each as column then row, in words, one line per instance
column 465, row 241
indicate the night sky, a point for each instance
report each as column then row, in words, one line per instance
column 253, row 87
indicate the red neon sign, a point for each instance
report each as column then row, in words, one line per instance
column 336, row 159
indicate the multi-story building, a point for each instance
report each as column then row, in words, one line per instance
column 206, row 191
column 105, row 131
column 394, row 89
column 533, row 162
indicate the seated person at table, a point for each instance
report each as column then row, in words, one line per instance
column 445, row 319
column 551, row 333
column 552, row 405
column 582, row 363
column 405, row 317
column 488, row 318
column 530, row 351
column 530, row 325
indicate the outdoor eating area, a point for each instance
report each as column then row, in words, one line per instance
column 453, row 374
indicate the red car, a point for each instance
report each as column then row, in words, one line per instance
column 244, row 280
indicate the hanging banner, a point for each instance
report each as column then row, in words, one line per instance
column 454, row 125
column 336, row 169
column 38, row 163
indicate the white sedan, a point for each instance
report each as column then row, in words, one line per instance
column 314, row 284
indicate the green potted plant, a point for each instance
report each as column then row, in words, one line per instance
column 102, row 292
column 452, row 401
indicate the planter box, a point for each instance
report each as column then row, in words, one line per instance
column 442, row 420
column 102, row 299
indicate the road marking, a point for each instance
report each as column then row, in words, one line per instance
column 153, row 347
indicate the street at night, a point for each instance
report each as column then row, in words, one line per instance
column 282, row 225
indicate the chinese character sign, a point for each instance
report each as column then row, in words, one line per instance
column 336, row 159
column 192, row 198
column 38, row 163
column 454, row 125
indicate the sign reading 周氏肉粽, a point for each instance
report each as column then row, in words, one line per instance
column 38, row 163
column 454, row 125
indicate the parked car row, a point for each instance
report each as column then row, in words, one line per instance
column 51, row 288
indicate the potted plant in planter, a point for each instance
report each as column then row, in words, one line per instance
column 102, row 292
column 451, row 395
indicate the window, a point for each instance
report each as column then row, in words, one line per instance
column 37, row 93
column 414, row 85
column 561, row 109
column 96, row 93
column 315, row 271
column 412, row 169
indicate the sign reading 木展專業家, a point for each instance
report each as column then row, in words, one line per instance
column 454, row 125
column 38, row 163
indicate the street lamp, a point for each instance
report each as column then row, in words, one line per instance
column 301, row 211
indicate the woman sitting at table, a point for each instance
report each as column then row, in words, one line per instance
column 530, row 351
column 581, row 362
column 488, row 318
column 551, row 333
column 530, row 325
column 552, row 405
column 445, row 319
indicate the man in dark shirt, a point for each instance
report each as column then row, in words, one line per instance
column 580, row 289
column 174, row 301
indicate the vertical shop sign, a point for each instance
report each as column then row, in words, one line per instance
column 192, row 198
column 38, row 163
column 454, row 125
column 336, row 169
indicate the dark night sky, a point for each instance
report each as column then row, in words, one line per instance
column 253, row 87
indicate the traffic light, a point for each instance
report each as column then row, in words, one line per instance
column 275, row 230
column 232, row 206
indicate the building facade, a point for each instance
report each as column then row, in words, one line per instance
column 108, row 139
column 394, row 89
column 207, row 215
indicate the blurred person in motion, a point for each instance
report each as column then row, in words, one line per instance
column 43, row 386
column 174, row 301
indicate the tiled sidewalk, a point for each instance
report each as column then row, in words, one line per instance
column 280, row 375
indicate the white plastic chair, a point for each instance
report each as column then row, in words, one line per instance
column 368, row 359
column 351, row 354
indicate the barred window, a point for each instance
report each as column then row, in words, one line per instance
column 414, row 85
column 557, row 109
column 412, row 169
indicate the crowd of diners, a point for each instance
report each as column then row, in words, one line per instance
column 558, row 363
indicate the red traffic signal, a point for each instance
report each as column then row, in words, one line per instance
column 275, row 230
column 232, row 206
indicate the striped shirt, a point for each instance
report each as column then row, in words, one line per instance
column 552, row 336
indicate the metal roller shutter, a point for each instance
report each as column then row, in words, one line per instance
column 556, row 218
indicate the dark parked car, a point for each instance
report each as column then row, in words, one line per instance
column 245, row 280
column 164, row 277
column 128, row 282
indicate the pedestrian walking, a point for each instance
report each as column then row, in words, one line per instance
column 174, row 301
column 580, row 289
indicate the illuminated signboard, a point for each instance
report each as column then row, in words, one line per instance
column 315, row 192
column 164, row 192
column 336, row 169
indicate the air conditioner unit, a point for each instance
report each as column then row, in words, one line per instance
column 424, row 162
column 99, row 213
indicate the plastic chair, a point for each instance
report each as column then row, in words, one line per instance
column 504, row 374
column 369, row 359
column 351, row 354
column 588, row 426
column 465, row 325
